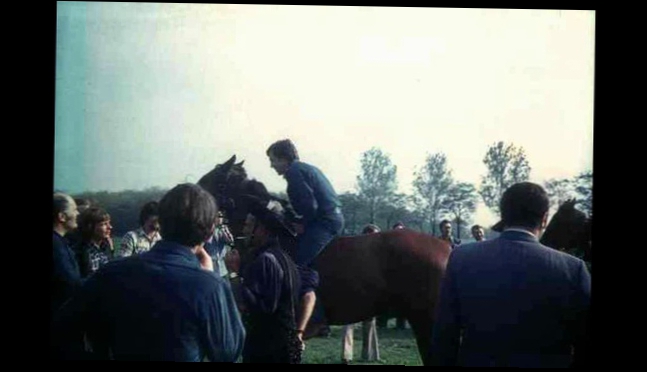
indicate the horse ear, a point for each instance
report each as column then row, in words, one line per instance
column 228, row 164
column 240, row 164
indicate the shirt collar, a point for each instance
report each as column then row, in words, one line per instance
column 287, row 171
column 182, row 252
column 518, row 233
column 519, row 229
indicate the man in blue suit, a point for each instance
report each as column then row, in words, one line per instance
column 512, row 301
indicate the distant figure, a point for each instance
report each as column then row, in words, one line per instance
column 165, row 304
column 313, row 197
column 397, row 226
column 96, row 247
column 142, row 239
column 270, row 291
column 478, row 233
column 511, row 301
column 66, row 277
column 446, row 233
column 219, row 245
column 370, row 345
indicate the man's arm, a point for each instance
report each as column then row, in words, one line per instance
column 223, row 334
column 65, row 269
column 262, row 284
column 445, row 339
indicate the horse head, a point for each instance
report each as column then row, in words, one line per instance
column 222, row 183
column 568, row 230
column 230, row 186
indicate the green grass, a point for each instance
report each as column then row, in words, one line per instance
column 397, row 347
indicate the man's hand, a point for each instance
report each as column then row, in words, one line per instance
column 232, row 261
column 204, row 258
column 110, row 243
column 229, row 238
column 298, row 228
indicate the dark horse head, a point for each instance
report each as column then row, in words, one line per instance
column 233, row 191
column 569, row 230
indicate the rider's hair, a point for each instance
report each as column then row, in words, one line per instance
column 284, row 149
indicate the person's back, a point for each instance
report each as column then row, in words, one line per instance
column 511, row 301
column 156, row 306
column 165, row 304
column 520, row 302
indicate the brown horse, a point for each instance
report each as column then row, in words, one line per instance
column 569, row 230
column 360, row 276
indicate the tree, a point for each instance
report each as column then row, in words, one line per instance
column 394, row 211
column 417, row 217
column 377, row 183
column 123, row 206
column 584, row 188
column 559, row 190
column 354, row 211
column 506, row 165
column 431, row 185
column 460, row 204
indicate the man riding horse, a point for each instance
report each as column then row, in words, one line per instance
column 313, row 198
column 361, row 276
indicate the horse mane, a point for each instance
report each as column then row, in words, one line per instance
column 569, row 230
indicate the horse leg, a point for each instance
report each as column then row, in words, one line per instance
column 422, row 328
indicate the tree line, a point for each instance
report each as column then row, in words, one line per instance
column 437, row 195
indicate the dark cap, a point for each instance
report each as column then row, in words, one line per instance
column 271, row 220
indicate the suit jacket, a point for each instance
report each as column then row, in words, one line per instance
column 511, row 301
column 65, row 275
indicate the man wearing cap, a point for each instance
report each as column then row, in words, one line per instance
column 511, row 301
column 270, row 283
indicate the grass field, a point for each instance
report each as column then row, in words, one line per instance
column 397, row 347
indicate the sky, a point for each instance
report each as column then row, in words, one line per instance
column 154, row 94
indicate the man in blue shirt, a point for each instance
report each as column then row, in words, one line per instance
column 166, row 304
column 312, row 196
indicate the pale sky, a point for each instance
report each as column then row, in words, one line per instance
column 158, row 94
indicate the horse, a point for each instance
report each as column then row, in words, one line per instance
column 360, row 276
column 569, row 230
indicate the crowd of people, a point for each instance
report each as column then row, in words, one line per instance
column 177, row 290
